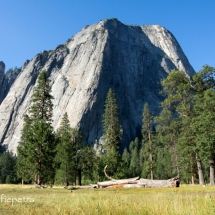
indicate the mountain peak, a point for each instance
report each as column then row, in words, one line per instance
column 132, row 60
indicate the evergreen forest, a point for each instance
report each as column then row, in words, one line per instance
column 179, row 141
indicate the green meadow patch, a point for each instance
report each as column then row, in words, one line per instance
column 192, row 200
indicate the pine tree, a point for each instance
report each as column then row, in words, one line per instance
column 163, row 168
column 8, row 168
column 42, row 99
column 168, row 133
column 85, row 162
column 180, row 90
column 111, row 123
column 64, row 160
column 112, row 136
column 24, row 170
column 135, row 158
column 126, row 163
column 83, row 156
column 38, row 146
column 148, row 142
column 74, row 159
column 167, row 129
column 204, row 115
column 204, row 124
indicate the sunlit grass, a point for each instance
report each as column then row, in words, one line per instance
column 192, row 200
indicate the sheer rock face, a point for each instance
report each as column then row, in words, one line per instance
column 6, row 80
column 129, row 59
column 11, row 76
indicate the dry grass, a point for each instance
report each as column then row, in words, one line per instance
column 192, row 200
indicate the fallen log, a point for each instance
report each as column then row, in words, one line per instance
column 105, row 184
column 137, row 182
column 173, row 182
column 133, row 185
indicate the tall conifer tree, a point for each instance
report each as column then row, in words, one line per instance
column 126, row 162
column 38, row 146
column 83, row 156
column 8, row 168
column 168, row 133
column 135, row 158
column 204, row 124
column 112, row 136
column 203, row 120
column 148, row 142
column 111, row 123
column 24, row 168
column 64, row 160
column 180, row 90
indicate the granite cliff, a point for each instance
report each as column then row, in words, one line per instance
column 130, row 59
column 6, row 80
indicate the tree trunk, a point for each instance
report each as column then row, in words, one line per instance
column 177, row 168
column 66, row 183
column 79, row 177
column 200, row 171
column 151, row 166
column 38, row 180
column 150, row 156
column 211, row 162
column 192, row 171
column 75, row 178
column 192, row 179
column 173, row 182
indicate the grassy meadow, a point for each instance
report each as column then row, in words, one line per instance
column 186, row 200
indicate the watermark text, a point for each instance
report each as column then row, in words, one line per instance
column 5, row 199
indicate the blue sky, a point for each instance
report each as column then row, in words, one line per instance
column 28, row 27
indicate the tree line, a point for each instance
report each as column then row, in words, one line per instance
column 180, row 140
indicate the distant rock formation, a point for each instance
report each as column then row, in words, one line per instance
column 132, row 60
column 2, row 69
column 6, row 80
